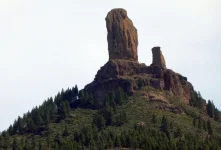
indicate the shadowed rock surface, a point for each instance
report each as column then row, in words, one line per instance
column 123, row 70
column 122, row 36
column 158, row 59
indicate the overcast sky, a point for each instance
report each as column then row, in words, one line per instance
column 47, row 45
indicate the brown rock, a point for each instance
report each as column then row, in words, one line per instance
column 123, row 70
column 171, row 108
column 126, row 74
column 141, row 124
column 122, row 36
column 177, row 85
column 157, row 98
column 158, row 59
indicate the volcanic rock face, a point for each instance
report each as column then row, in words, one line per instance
column 158, row 59
column 127, row 74
column 122, row 36
column 123, row 70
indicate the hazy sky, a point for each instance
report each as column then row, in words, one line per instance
column 47, row 45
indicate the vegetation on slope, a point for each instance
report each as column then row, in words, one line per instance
column 72, row 120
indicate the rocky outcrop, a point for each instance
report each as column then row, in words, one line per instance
column 123, row 70
column 158, row 59
column 127, row 75
column 122, row 36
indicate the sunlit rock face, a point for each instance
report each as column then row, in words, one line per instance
column 122, row 36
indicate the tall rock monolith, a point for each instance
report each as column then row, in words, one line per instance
column 122, row 36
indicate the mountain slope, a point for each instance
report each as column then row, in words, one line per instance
column 129, row 105
column 143, row 121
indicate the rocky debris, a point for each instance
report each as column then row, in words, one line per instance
column 157, row 98
column 171, row 108
column 141, row 124
column 122, row 36
column 158, row 59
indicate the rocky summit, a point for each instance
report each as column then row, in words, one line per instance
column 123, row 69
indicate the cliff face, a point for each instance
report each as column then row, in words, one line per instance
column 123, row 70
column 122, row 36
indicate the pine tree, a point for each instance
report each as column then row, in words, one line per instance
column 31, row 125
column 40, row 146
column 112, row 100
column 92, row 144
column 75, row 91
column 5, row 134
column 140, row 83
column 107, row 100
column 1, row 141
column 15, row 145
column 217, row 115
column 48, row 140
column 68, row 108
column 65, row 109
column 26, row 146
column 117, row 141
column 33, row 143
column 210, row 129
column 164, row 124
column 20, row 125
column 178, row 132
column 200, row 102
column 81, row 94
column 210, row 109
column 99, row 121
column 194, row 122
column 66, row 131
column 204, row 125
column 193, row 99
column 200, row 123
column 39, row 120
column 53, row 111
column 154, row 118
column 91, row 101
column 119, row 96
column 10, row 130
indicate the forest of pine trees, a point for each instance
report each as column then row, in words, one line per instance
column 98, row 135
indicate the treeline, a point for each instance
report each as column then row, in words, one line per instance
column 197, row 101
